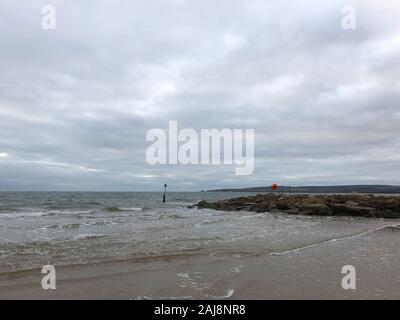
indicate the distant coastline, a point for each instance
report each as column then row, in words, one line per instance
column 390, row 189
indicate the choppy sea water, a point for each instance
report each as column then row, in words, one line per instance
column 206, row 253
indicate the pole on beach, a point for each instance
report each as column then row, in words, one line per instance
column 165, row 192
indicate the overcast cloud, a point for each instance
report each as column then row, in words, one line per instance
column 76, row 102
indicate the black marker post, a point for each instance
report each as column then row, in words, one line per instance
column 165, row 192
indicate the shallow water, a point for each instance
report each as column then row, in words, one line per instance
column 131, row 245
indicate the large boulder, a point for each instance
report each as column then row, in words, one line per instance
column 317, row 209
column 271, row 206
column 203, row 204
column 389, row 214
column 292, row 210
column 353, row 210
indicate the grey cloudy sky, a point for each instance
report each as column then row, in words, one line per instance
column 76, row 102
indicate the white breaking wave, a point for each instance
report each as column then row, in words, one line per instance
column 87, row 236
column 28, row 214
column 131, row 209
column 229, row 294
column 282, row 253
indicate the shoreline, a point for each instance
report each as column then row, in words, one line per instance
column 168, row 251
column 310, row 273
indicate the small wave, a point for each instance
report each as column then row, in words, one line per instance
column 387, row 227
column 21, row 214
column 393, row 228
column 174, row 216
column 49, row 227
column 131, row 209
column 7, row 209
column 94, row 203
column 71, row 226
column 117, row 209
column 237, row 269
column 62, row 226
column 28, row 214
column 66, row 212
column 250, row 216
column 206, row 222
column 228, row 294
column 76, row 225
column 86, row 236
column 194, row 281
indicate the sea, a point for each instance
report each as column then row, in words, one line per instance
column 131, row 245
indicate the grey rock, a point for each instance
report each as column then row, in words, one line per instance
column 319, row 209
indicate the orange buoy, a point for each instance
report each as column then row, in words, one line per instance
column 274, row 187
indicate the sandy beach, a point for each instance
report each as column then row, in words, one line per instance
column 199, row 254
column 312, row 273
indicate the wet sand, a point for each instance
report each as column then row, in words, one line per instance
column 132, row 246
column 310, row 273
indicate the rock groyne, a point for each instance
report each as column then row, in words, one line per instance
column 359, row 205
